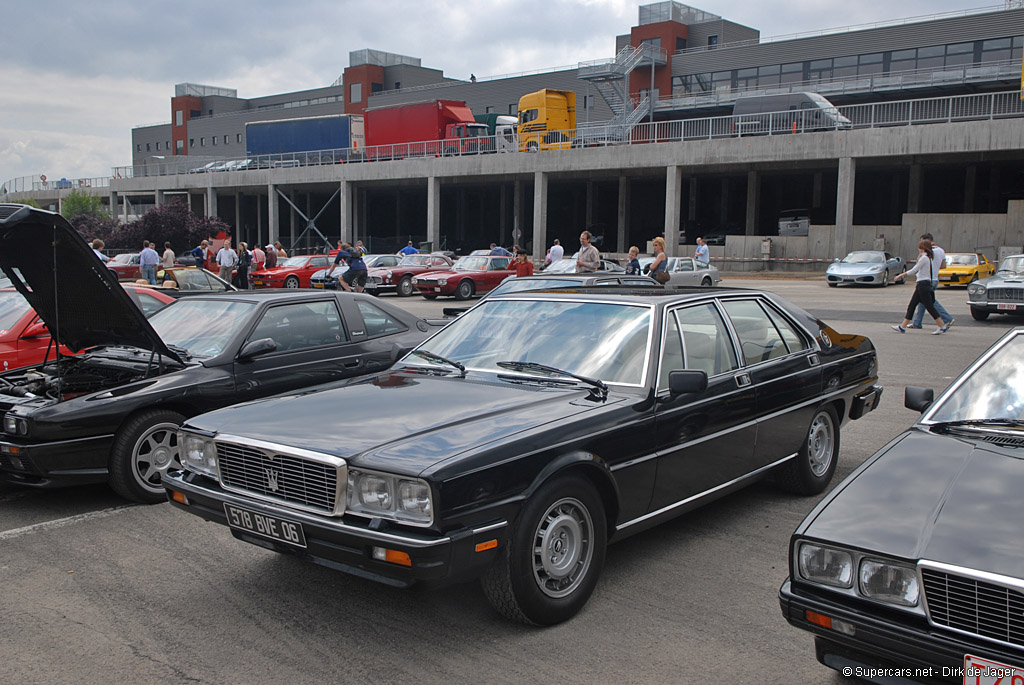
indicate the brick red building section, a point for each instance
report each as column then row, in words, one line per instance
column 669, row 32
column 186, row 104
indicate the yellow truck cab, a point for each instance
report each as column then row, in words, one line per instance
column 547, row 120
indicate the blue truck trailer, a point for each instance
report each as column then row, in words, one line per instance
column 309, row 140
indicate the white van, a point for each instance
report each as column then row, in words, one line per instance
column 787, row 113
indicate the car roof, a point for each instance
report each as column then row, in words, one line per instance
column 629, row 294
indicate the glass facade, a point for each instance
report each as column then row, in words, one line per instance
column 936, row 57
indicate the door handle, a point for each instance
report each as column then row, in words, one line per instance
column 813, row 360
column 742, row 379
column 352, row 364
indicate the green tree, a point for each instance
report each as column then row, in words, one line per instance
column 81, row 204
column 173, row 222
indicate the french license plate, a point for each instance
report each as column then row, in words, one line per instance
column 978, row 671
column 271, row 527
column 1006, row 307
column 257, row 282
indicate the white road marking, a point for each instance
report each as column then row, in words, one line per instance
column 60, row 523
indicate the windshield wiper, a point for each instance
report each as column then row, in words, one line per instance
column 996, row 421
column 430, row 356
column 543, row 368
column 180, row 351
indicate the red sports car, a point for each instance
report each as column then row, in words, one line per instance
column 25, row 339
column 398, row 279
column 293, row 272
column 126, row 266
column 470, row 275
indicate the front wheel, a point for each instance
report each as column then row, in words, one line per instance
column 464, row 291
column 706, row 283
column 554, row 555
column 979, row 314
column 833, row 285
column 145, row 448
column 885, row 281
column 811, row 470
column 291, row 282
column 405, row 287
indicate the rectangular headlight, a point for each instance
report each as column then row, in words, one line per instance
column 890, row 583
column 406, row 500
column 825, row 565
column 14, row 425
column 197, row 453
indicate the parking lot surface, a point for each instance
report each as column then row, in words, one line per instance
column 99, row 591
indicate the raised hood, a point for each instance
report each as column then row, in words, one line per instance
column 78, row 298
column 935, row 497
column 401, row 421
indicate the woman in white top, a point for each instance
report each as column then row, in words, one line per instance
column 923, row 293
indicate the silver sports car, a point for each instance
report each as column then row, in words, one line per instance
column 1002, row 293
column 684, row 271
column 871, row 267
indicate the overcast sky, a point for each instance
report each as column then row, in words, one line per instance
column 77, row 76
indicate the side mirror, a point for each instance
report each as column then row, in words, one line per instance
column 36, row 330
column 917, row 398
column 687, row 381
column 256, row 348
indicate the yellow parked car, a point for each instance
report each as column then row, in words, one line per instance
column 965, row 267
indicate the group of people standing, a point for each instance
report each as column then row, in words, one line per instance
column 930, row 259
column 235, row 266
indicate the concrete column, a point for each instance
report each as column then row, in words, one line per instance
column 345, row 200
column 259, row 218
column 211, row 201
column 111, row 204
column 623, row 212
column 434, row 211
column 673, row 209
column 970, row 186
column 753, row 201
column 844, row 206
column 291, row 220
column 159, row 198
column 273, row 213
column 238, row 212
column 540, row 214
column 914, row 190
column 502, row 214
column 590, row 204
column 517, row 208
column 124, row 209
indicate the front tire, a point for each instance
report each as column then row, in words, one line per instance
column 554, row 555
column 833, row 285
column 979, row 314
column 405, row 287
column 812, row 469
column 145, row 448
column 464, row 291
column 706, row 283
column 291, row 282
column 885, row 281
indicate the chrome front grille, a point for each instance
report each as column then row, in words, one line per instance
column 974, row 606
column 377, row 280
column 269, row 473
column 1006, row 294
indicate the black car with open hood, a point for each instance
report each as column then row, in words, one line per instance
column 111, row 413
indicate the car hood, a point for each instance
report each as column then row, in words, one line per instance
column 74, row 293
column 449, row 273
column 402, row 421
column 1003, row 279
column 278, row 271
column 936, row 497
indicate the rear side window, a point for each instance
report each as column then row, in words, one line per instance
column 759, row 338
column 706, row 342
column 377, row 321
column 301, row 326
column 790, row 335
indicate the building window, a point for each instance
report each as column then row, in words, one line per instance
column 680, row 44
column 996, row 50
column 960, row 53
column 238, row 137
column 819, row 70
column 928, row 58
column 844, row 66
column 902, row 60
column 398, row 85
column 180, row 147
column 768, row 76
column 167, row 145
column 213, row 141
column 712, row 42
column 191, row 143
column 179, row 118
column 355, row 92
column 376, row 87
column 225, row 138
column 147, row 147
column 489, row 109
column 158, row 146
column 869, row 64
column 793, row 72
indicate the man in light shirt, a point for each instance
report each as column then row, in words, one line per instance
column 226, row 260
column 148, row 259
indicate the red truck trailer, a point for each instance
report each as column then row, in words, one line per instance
column 439, row 127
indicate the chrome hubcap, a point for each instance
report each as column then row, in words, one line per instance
column 563, row 548
column 156, row 452
column 820, row 444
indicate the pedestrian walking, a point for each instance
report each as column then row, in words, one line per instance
column 148, row 259
column 226, row 260
column 589, row 259
column 923, row 292
column 938, row 263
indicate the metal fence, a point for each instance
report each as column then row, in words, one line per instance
column 24, row 184
column 979, row 107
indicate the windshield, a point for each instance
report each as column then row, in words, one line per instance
column 203, row 326
column 518, row 285
column 1013, row 264
column 994, row 389
column 562, row 266
column 122, row 259
column 12, row 307
column 416, row 260
column 294, row 261
column 864, row 258
column 471, row 264
column 961, row 259
column 599, row 340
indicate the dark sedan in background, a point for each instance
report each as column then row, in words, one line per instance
column 111, row 414
column 914, row 562
column 534, row 428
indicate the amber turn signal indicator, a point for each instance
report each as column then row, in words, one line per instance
column 484, row 546
column 396, row 557
column 819, row 619
column 179, row 497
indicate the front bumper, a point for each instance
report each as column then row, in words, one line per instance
column 55, row 464
column 346, row 544
column 955, row 279
column 997, row 307
column 888, row 640
column 848, row 279
column 435, row 289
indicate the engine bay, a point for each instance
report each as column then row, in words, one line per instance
column 72, row 377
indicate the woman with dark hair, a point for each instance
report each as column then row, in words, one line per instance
column 923, row 293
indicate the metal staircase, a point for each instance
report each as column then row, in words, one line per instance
column 611, row 79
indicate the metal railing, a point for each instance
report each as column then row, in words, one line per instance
column 979, row 107
column 25, row 184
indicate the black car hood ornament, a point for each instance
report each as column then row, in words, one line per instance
column 77, row 297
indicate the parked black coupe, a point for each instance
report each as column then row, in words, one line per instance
column 534, row 428
column 112, row 413
column 913, row 565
